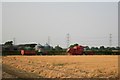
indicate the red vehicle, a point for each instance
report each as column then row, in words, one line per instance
column 28, row 52
column 79, row 50
column 75, row 50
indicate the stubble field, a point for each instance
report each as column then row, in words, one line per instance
column 96, row 66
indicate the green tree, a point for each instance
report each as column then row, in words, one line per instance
column 9, row 43
column 117, row 48
column 58, row 47
column 87, row 48
column 102, row 48
column 93, row 48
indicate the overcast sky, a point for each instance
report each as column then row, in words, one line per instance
column 88, row 23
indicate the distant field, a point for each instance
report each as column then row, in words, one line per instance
column 96, row 66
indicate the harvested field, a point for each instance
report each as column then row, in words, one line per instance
column 96, row 66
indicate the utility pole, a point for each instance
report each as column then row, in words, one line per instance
column 110, row 40
column 68, row 40
column 48, row 40
column 14, row 41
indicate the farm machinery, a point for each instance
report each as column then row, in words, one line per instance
column 72, row 50
column 78, row 50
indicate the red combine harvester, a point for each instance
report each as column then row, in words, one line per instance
column 78, row 50
column 75, row 50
